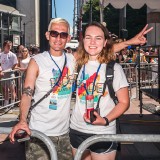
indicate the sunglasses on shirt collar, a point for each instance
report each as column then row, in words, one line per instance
column 55, row 34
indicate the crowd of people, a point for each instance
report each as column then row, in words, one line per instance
column 131, row 55
column 51, row 74
column 12, row 59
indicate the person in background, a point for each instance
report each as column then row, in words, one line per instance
column 19, row 51
column 8, row 62
column 35, row 50
column 23, row 62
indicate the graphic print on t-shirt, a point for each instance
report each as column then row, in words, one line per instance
column 88, row 82
column 62, row 90
column 64, row 85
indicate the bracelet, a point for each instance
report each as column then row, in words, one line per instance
column 107, row 121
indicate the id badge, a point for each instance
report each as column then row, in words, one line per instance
column 53, row 101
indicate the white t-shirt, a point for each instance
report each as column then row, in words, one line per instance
column 52, row 121
column 106, row 102
column 24, row 63
column 8, row 60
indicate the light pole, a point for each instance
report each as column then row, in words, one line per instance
column 90, row 4
column 24, row 31
column 55, row 10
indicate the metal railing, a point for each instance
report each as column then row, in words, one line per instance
column 46, row 140
column 115, row 138
column 4, row 83
column 130, row 70
column 148, row 75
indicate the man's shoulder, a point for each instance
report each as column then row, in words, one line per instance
column 41, row 55
column 41, row 58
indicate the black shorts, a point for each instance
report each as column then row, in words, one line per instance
column 9, row 151
column 76, row 138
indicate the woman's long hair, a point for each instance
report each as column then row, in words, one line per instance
column 107, row 53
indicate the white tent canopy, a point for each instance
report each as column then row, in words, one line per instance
column 135, row 4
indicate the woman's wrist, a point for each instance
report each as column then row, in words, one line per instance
column 106, row 121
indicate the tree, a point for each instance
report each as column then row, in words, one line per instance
column 135, row 18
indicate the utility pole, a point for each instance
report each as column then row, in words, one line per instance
column 24, row 34
column 55, row 10
column 8, row 26
column 101, row 5
column 79, row 18
column 123, row 33
column 75, row 19
column 90, row 15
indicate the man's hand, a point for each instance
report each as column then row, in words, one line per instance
column 21, row 126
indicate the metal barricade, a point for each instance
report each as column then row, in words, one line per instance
column 12, row 80
column 131, row 75
column 47, row 141
column 116, row 138
column 148, row 75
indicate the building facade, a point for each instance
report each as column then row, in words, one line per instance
column 10, row 24
column 31, row 22
column 38, row 14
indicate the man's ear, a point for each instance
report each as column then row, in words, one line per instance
column 68, row 38
column 47, row 35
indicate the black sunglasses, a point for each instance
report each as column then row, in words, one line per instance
column 63, row 35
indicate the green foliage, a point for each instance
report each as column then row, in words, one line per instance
column 135, row 18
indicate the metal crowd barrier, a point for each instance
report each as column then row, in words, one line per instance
column 116, row 138
column 130, row 70
column 47, row 141
column 147, row 78
column 17, row 79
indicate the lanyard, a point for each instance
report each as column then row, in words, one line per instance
column 61, row 72
column 83, row 72
column 65, row 61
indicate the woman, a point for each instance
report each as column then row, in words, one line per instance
column 23, row 62
column 94, row 53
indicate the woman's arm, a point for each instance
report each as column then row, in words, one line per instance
column 139, row 39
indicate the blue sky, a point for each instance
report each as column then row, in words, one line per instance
column 64, row 10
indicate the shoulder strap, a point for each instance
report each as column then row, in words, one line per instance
column 48, row 93
column 74, row 85
column 109, row 80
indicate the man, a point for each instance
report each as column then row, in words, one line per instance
column 8, row 62
column 51, row 116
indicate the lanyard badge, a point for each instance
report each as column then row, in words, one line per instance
column 54, row 96
column 53, row 101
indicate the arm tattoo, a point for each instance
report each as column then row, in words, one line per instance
column 28, row 91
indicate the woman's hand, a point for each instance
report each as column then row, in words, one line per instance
column 98, row 119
